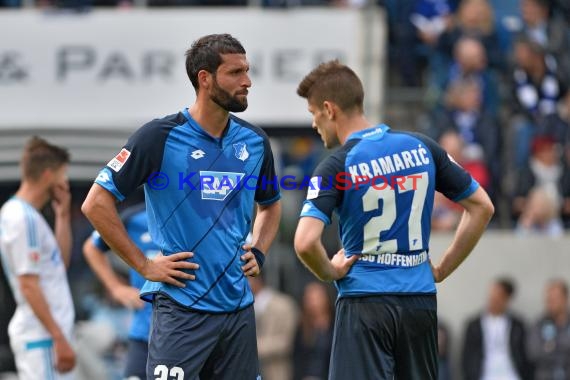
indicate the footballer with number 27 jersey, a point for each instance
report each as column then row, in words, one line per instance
column 384, row 201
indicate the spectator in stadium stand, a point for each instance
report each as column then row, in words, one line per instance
column 561, row 8
column 495, row 340
column 429, row 19
column 446, row 214
column 463, row 112
column 275, row 319
column 538, row 91
column 538, row 199
column 549, row 32
column 313, row 339
column 549, row 340
column 470, row 62
column 474, row 19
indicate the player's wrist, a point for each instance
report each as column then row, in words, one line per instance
column 57, row 335
column 259, row 256
column 142, row 268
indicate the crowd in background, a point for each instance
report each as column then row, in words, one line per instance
column 496, row 78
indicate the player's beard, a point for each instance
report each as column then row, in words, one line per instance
column 225, row 100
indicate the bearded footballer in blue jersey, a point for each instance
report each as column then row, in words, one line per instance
column 193, row 165
column 383, row 185
column 136, row 223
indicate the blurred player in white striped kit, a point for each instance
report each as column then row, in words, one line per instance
column 35, row 259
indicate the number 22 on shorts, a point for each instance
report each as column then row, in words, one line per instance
column 164, row 373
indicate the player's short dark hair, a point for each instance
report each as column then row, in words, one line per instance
column 205, row 54
column 507, row 285
column 40, row 155
column 334, row 82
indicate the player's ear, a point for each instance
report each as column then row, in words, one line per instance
column 204, row 79
column 46, row 176
column 330, row 109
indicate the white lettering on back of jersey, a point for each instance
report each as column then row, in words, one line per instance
column 390, row 164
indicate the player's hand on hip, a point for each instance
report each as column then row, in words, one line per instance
column 437, row 273
column 128, row 296
column 64, row 355
column 250, row 268
column 170, row 269
column 342, row 264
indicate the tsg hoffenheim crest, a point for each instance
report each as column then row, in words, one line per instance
column 241, row 151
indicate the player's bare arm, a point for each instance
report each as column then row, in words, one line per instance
column 61, row 204
column 478, row 211
column 312, row 253
column 99, row 207
column 264, row 230
column 127, row 295
column 32, row 291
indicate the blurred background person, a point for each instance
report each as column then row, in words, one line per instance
column 538, row 197
column 313, row 339
column 474, row 19
column 538, row 91
column 549, row 341
column 94, row 249
column 551, row 33
column 35, row 259
column 446, row 214
column 495, row 340
column 463, row 113
column 275, row 319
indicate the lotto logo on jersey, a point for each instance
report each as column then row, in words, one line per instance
column 119, row 160
column 217, row 186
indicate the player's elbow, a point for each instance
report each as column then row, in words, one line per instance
column 88, row 205
column 480, row 206
column 303, row 246
column 88, row 249
column 28, row 284
column 488, row 209
column 94, row 202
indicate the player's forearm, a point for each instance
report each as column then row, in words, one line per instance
column 314, row 256
column 63, row 236
column 99, row 208
column 100, row 264
column 471, row 227
column 32, row 292
column 266, row 225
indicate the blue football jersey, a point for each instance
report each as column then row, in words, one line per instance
column 200, row 193
column 382, row 183
column 136, row 224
